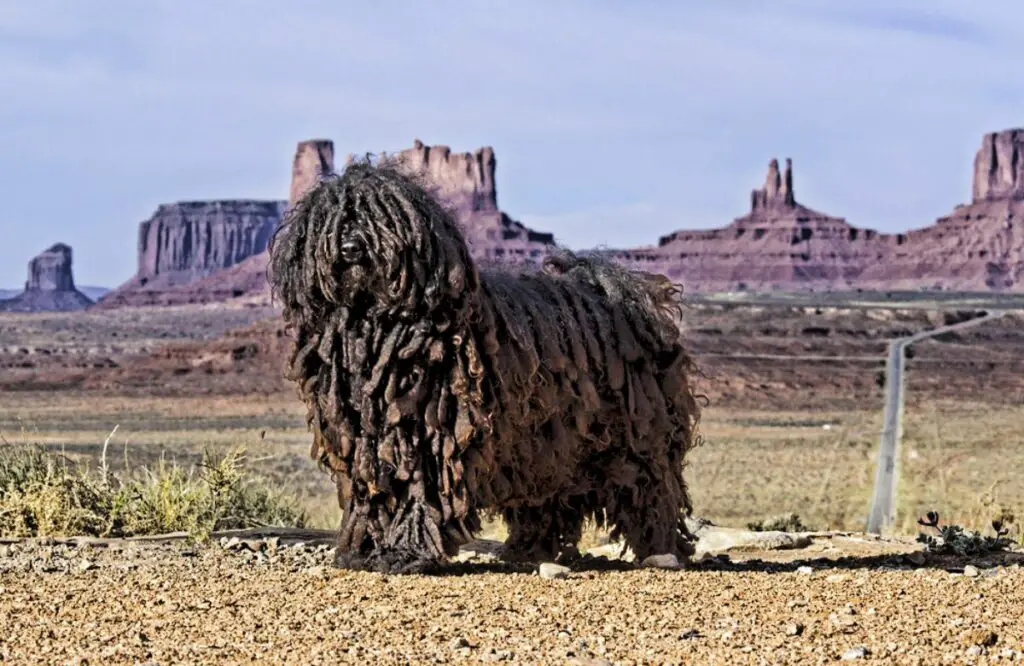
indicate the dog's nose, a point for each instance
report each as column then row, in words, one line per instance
column 351, row 252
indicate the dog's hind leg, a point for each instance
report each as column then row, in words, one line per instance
column 542, row 534
column 650, row 514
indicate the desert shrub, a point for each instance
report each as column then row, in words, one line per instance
column 787, row 522
column 44, row 494
column 955, row 540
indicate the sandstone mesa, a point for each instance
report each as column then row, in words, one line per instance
column 215, row 250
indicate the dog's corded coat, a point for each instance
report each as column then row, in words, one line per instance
column 437, row 392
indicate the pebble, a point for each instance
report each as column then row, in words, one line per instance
column 553, row 571
column 859, row 652
column 917, row 558
column 975, row 651
column 971, row 571
column 795, row 629
column 805, row 570
column 982, row 637
column 496, row 655
column 666, row 561
column 86, row 565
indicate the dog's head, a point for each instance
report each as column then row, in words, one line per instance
column 374, row 240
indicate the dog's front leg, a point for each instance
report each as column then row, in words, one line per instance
column 392, row 531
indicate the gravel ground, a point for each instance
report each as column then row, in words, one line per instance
column 267, row 602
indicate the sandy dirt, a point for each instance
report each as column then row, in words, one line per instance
column 851, row 599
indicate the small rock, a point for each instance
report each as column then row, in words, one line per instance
column 254, row 545
column 971, row 571
column 712, row 539
column 794, row 629
column 859, row 652
column 86, row 565
column 975, row 651
column 5, row 551
column 553, row 571
column 613, row 551
column 458, row 643
column 688, row 634
column 982, row 637
column 496, row 655
column 231, row 544
column 917, row 558
column 805, row 570
column 666, row 561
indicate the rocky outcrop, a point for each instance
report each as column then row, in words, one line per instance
column 999, row 167
column 50, row 285
column 214, row 251
column 314, row 158
column 187, row 241
column 197, row 238
column 465, row 182
column 783, row 245
column 779, row 244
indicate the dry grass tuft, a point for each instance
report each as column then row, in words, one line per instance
column 45, row 494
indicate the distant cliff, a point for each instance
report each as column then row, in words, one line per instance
column 466, row 183
column 782, row 245
column 212, row 251
column 50, row 285
column 186, row 241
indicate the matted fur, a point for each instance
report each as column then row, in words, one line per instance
column 438, row 392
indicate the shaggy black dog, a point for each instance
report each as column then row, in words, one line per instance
column 438, row 392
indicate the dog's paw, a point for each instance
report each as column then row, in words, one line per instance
column 390, row 562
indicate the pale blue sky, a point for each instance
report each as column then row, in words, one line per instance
column 613, row 122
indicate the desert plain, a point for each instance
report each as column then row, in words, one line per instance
column 794, row 397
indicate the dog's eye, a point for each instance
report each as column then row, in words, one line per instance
column 351, row 251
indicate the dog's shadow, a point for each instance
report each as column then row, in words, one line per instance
column 955, row 564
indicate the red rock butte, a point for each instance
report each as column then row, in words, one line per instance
column 216, row 250
column 783, row 245
column 50, row 285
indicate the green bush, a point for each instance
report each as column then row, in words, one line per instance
column 44, row 494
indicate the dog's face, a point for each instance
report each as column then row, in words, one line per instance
column 371, row 240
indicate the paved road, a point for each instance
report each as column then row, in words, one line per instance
column 883, row 500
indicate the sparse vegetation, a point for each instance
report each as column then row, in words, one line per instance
column 43, row 493
column 787, row 522
column 955, row 540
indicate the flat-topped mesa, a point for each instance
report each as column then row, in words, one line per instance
column 314, row 158
column 999, row 166
column 51, row 270
column 50, row 285
column 192, row 239
column 465, row 180
column 777, row 191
